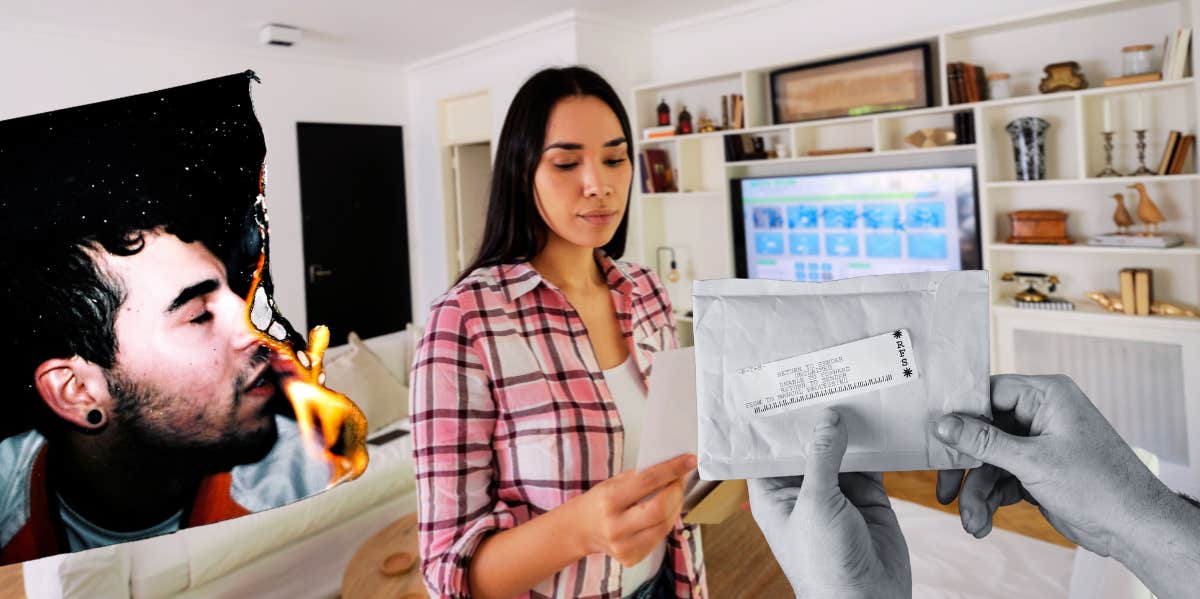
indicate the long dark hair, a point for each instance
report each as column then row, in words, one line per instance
column 515, row 231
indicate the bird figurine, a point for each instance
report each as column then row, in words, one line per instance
column 1147, row 212
column 1121, row 216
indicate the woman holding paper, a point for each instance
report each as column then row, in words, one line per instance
column 529, row 387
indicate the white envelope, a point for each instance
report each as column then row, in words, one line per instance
column 742, row 323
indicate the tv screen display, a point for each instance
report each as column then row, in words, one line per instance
column 835, row 226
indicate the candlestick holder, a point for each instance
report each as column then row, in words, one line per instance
column 1108, row 171
column 1141, row 146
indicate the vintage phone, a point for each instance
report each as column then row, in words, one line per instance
column 1032, row 282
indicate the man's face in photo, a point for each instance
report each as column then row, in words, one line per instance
column 191, row 378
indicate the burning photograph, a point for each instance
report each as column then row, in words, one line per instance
column 151, row 384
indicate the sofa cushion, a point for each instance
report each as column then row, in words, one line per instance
column 360, row 375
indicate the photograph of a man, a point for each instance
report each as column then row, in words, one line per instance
column 139, row 400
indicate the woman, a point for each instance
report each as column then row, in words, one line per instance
column 529, row 386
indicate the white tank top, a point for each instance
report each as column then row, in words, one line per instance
column 629, row 393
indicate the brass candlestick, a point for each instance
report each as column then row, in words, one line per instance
column 1108, row 171
column 1141, row 146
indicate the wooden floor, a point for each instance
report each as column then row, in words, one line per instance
column 740, row 564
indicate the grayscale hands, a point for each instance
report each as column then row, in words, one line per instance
column 1050, row 445
column 835, row 536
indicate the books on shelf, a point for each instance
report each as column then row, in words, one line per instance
column 1132, row 79
column 658, row 132
column 966, row 82
column 737, row 111
column 1130, row 241
column 657, row 176
column 1181, row 153
column 1177, row 54
column 1175, row 153
column 1137, row 291
column 964, row 127
column 1168, row 152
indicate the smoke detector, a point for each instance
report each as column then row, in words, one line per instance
column 279, row 35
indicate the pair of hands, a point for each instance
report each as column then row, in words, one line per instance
column 837, row 536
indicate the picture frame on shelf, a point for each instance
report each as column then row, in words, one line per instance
column 899, row 78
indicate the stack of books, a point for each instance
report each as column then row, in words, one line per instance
column 658, row 132
column 966, row 82
column 1050, row 303
column 1175, row 153
column 1176, row 54
column 1128, row 240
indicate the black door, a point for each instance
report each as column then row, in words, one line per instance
column 355, row 228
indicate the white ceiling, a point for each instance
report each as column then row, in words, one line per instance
column 395, row 32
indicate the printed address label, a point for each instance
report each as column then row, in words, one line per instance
column 845, row 370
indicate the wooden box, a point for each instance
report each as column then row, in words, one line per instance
column 1039, row 226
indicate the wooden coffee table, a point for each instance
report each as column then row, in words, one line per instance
column 387, row 565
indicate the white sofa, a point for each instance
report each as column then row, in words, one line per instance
column 296, row 551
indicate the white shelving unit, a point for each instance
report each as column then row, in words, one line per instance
column 697, row 222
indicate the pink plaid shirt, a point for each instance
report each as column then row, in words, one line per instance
column 511, row 418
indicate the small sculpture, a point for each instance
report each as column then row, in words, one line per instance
column 1114, row 304
column 1147, row 212
column 1062, row 76
column 931, row 137
column 1121, row 216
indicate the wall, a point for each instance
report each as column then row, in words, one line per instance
column 780, row 32
column 498, row 65
column 77, row 67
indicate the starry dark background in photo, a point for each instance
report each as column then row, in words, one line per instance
column 189, row 155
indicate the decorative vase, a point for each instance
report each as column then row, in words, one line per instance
column 1029, row 147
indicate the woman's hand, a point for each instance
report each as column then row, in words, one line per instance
column 614, row 520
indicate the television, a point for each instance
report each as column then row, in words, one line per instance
column 835, row 226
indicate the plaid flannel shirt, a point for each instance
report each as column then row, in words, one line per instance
column 512, row 417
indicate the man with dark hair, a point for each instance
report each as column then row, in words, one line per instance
column 145, row 402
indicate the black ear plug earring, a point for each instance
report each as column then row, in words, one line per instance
column 95, row 417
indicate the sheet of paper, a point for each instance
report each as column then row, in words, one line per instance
column 669, row 428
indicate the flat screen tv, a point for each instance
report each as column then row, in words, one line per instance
column 835, row 226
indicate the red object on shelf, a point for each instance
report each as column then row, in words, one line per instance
column 664, row 113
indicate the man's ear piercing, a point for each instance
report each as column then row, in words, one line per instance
column 95, row 417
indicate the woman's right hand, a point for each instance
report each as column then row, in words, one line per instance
column 612, row 521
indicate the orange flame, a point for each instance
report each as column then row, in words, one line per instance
column 339, row 419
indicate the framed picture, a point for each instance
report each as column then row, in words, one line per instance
column 894, row 79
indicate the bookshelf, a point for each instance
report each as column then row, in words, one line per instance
column 697, row 221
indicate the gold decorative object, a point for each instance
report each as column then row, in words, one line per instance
column 706, row 126
column 1147, row 211
column 931, row 137
column 1062, row 76
column 1032, row 280
column 1121, row 216
column 1112, row 303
